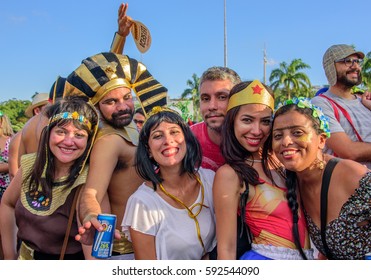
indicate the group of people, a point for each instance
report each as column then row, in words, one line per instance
column 248, row 182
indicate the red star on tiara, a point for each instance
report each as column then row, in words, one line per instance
column 257, row 90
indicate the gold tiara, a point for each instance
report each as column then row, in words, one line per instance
column 157, row 109
column 254, row 93
column 71, row 116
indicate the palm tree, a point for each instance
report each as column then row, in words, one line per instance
column 193, row 92
column 290, row 80
column 366, row 71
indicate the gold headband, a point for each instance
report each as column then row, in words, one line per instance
column 254, row 93
column 157, row 109
column 71, row 116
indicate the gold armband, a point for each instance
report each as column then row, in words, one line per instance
column 117, row 45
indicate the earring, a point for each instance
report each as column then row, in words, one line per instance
column 321, row 163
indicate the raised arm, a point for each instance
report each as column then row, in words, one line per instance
column 124, row 24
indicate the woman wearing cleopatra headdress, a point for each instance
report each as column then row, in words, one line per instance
column 41, row 199
column 336, row 193
column 253, row 186
column 170, row 216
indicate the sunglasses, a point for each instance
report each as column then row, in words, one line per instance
column 350, row 62
column 138, row 121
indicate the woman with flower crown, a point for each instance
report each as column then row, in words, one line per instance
column 336, row 193
column 40, row 200
column 171, row 215
column 253, row 186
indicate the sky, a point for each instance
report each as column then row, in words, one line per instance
column 41, row 39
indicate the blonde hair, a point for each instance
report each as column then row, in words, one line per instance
column 6, row 126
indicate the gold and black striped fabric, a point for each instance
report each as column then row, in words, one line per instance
column 103, row 72
column 57, row 90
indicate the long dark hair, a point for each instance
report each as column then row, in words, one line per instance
column 147, row 167
column 43, row 171
column 291, row 177
column 235, row 155
column 233, row 152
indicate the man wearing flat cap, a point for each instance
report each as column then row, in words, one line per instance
column 349, row 117
column 108, row 79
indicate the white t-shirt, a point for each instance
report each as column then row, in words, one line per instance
column 175, row 232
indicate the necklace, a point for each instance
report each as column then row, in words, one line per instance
column 254, row 160
column 190, row 212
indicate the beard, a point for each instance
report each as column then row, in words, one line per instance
column 214, row 127
column 342, row 79
column 120, row 122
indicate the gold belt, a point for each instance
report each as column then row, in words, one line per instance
column 122, row 246
column 26, row 252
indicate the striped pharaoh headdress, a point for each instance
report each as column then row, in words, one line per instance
column 103, row 72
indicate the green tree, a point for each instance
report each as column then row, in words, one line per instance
column 366, row 71
column 193, row 93
column 290, row 80
column 15, row 109
column 183, row 107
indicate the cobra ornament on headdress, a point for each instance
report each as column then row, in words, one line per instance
column 303, row 102
column 254, row 93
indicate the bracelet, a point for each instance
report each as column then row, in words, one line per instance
column 89, row 217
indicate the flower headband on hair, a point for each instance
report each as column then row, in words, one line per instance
column 303, row 102
column 71, row 116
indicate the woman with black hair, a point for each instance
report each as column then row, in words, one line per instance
column 171, row 215
column 335, row 193
column 253, row 185
column 40, row 200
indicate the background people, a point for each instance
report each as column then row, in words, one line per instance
column 39, row 100
column 253, row 186
column 37, row 204
column 300, row 131
column 215, row 84
column 139, row 118
column 6, row 132
column 171, row 214
column 349, row 117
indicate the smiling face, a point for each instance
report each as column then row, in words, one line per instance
column 214, row 102
column 167, row 144
column 295, row 142
column 348, row 76
column 67, row 143
column 252, row 126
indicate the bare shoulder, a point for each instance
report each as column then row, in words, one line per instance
column 348, row 173
column 113, row 146
column 225, row 175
